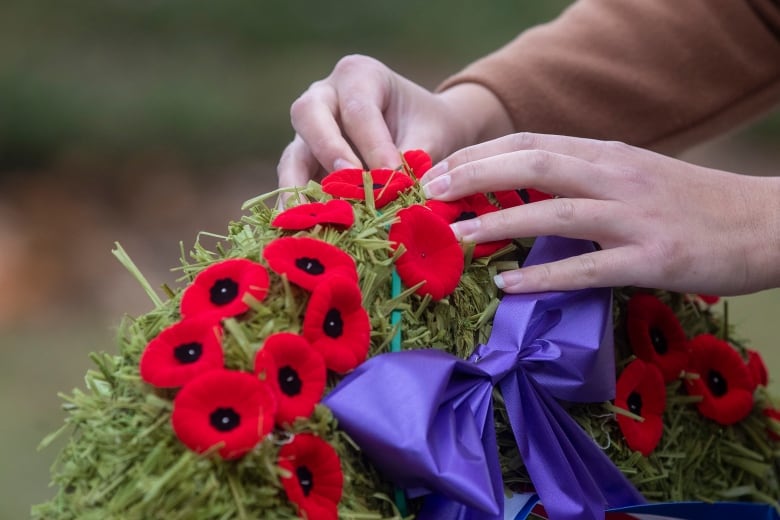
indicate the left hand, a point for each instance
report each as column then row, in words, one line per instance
column 660, row 222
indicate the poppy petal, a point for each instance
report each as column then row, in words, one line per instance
column 757, row 368
column 225, row 407
column 337, row 325
column 307, row 261
column 467, row 208
column 640, row 389
column 182, row 351
column 222, row 287
column 336, row 212
column 655, row 335
column 512, row 198
column 417, row 162
column 432, row 253
column 295, row 371
column 314, row 480
column 724, row 382
column 348, row 183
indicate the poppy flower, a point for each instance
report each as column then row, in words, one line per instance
column 757, row 368
column 433, row 254
column 724, row 381
column 336, row 212
column 314, row 481
column 295, row 371
column 182, row 351
column 348, row 184
column 337, row 325
column 773, row 414
column 709, row 299
column 222, row 287
column 306, row 261
column 417, row 162
column 227, row 407
column 464, row 209
column 655, row 335
column 512, row 198
column 641, row 390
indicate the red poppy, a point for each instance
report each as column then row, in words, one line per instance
column 724, row 382
column 417, row 162
column 337, row 325
column 226, row 407
column 314, row 481
column 709, row 299
column 512, row 198
column 640, row 390
column 656, row 335
column 348, row 184
column 295, row 371
column 336, row 212
column 433, row 254
column 773, row 415
column 222, row 287
column 464, row 209
column 182, row 351
column 757, row 368
column 306, row 261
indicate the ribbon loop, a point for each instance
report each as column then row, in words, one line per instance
column 425, row 417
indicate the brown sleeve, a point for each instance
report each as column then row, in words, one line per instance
column 662, row 74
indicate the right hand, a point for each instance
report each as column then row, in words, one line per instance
column 364, row 114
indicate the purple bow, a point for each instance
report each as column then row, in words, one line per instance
column 425, row 417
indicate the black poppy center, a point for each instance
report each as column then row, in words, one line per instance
column 634, row 402
column 225, row 419
column 717, row 383
column 466, row 215
column 289, row 381
column 658, row 340
column 305, row 479
column 187, row 353
column 223, row 291
column 524, row 196
column 333, row 325
column 309, row 265
column 375, row 186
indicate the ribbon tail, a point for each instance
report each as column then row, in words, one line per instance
column 573, row 477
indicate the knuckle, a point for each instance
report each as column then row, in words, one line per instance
column 564, row 209
column 352, row 63
column 587, row 269
column 539, row 161
column 523, row 141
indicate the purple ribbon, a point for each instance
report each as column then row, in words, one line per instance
column 425, row 417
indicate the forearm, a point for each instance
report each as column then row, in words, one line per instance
column 660, row 74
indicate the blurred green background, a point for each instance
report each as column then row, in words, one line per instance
column 145, row 122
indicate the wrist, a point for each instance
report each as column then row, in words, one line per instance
column 481, row 114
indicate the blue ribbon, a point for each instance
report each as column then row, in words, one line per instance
column 425, row 417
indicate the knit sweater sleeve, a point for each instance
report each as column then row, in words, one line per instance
column 662, row 74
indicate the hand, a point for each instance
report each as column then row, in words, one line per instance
column 365, row 104
column 660, row 222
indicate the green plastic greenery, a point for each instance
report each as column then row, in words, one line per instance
column 122, row 459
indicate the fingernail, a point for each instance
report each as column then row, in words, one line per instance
column 508, row 279
column 342, row 164
column 437, row 186
column 464, row 228
column 436, row 171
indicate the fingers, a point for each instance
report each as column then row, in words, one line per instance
column 599, row 221
column 547, row 171
column 314, row 117
column 605, row 268
column 364, row 87
column 590, row 150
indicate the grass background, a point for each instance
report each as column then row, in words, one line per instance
column 146, row 122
